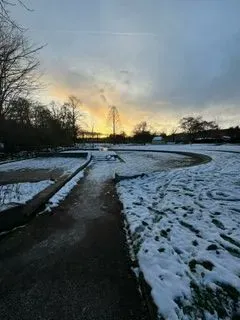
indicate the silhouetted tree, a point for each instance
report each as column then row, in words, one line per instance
column 5, row 5
column 142, row 133
column 18, row 64
column 118, row 138
column 29, row 125
column 73, row 114
column 197, row 126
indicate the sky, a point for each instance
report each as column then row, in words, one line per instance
column 155, row 60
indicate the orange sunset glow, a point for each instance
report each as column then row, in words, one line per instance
column 95, row 108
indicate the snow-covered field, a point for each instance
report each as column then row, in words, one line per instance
column 185, row 230
column 19, row 193
column 67, row 165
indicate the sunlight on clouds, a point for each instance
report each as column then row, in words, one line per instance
column 155, row 60
column 98, row 91
column 95, row 107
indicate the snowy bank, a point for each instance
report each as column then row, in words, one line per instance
column 55, row 200
column 61, row 194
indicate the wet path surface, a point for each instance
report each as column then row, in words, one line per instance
column 73, row 264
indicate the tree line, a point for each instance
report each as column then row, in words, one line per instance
column 25, row 124
column 32, row 126
column 189, row 129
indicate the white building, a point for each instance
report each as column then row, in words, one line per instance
column 158, row 140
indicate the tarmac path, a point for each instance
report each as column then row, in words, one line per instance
column 73, row 264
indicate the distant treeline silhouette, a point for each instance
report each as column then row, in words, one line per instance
column 31, row 126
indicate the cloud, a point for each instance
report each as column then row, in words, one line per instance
column 154, row 60
column 103, row 33
column 225, row 86
column 124, row 71
column 104, row 99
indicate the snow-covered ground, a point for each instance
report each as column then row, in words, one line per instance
column 134, row 163
column 19, row 193
column 185, row 230
column 184, row 223
column 138, row 162
column 180, row 147
column 67, row 165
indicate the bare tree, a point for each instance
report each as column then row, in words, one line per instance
column 73, row 106
column 141, row 127
column 20, row 111
column 4, row 11
column 173, row 133
column 142, row 132
column 193, row 126
column 113, row 119
column 18, row 65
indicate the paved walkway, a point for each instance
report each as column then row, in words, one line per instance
column 73, row 264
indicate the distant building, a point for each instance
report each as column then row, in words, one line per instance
column 226, row 138
column 158, row 140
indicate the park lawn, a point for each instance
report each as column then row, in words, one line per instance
column 184, row 228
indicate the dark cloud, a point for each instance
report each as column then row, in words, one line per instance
column 159, row 55
column 226, row 86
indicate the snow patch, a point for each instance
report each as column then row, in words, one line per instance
column 64, row 191
column 19, row 193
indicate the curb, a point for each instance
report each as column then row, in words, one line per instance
column 49, row 192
